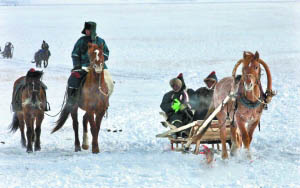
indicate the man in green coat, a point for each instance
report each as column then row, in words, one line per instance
column 80, row 59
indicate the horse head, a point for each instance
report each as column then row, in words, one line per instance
column 95, row 53
column 251, row 71
column 33, row 87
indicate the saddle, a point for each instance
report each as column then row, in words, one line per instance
column 16, row 103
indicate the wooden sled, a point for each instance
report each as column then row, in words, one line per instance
column 211, row 136
column 201, row 132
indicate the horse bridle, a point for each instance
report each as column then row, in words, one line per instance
column 101, row 67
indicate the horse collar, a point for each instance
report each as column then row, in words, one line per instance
column 249, row 104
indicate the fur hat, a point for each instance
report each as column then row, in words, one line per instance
column 211, row 80
column 92, row 27
column 176, row 84
column 32, row 73
column 180, row 77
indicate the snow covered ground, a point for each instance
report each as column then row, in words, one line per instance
column 150, row 43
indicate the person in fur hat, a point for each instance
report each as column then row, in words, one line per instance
column 211, row 80
column 80, row 59
column 175, row 105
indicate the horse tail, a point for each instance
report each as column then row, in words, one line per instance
column 15, row 124
column 63, row 117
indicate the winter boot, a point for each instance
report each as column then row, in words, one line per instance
column 72, row 96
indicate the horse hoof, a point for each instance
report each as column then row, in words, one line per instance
column 85, row 147
column 248, row 155
column 37, row 148
column 95, row 151
column 224, row 156
column 77, row 148
column 29, row 151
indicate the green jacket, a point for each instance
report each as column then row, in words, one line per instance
column 80, row 52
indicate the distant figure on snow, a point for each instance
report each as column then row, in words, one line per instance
column 8, row 50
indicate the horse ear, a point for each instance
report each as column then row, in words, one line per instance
column 89, row 45
column 256, row 56
column 245, row 55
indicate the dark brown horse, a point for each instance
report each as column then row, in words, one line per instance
column 42, row 56
column 93, row 99
column 33, row 99
column 246, row 109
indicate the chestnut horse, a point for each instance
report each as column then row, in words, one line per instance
column 33, row 99
column 246, row 108
column 93, row 99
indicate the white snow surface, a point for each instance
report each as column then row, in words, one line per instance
column 150, row 43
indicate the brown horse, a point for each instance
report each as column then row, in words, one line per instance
column 33, row 99
column 93, row 99
column 246, row 108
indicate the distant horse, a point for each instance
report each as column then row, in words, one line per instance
column 33, row 99
column 246, row 110
column 42, row 56
column 93, row 99
column 8, row 50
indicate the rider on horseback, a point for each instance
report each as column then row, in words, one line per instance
column 81, row 61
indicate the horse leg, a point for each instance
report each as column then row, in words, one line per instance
column 245, row 136
column 222, row 119
column 37, row 143
column 21, row 126
column 251, row 130
column 95, row 148
column 29, row 126
column 234, row 138
column 85, row 139
column 45, row 63
column 74, row 116
column 95, row 128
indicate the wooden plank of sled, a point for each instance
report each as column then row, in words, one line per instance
column 172, row 127
column 167, row 133
column 194, row 124
column 205, row 124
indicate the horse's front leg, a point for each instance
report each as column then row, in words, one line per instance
column 251, row 129
column 74, row 116
column 99, row 117
column 94, row 131
column 85, row 139
column 29, row 132
column 245, row 136
column 235, row 140
column 221, row 120
column 37, row 143
column 45, row 63
column 95, row 127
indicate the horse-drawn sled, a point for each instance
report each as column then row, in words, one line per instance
column 200, row 132
column 235, row 109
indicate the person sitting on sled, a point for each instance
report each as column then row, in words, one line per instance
column 211, row 80
column 175, row 105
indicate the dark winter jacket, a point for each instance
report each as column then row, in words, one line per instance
column 167, row 102
column 80, row 52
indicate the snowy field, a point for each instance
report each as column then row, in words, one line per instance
column 150, row 43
